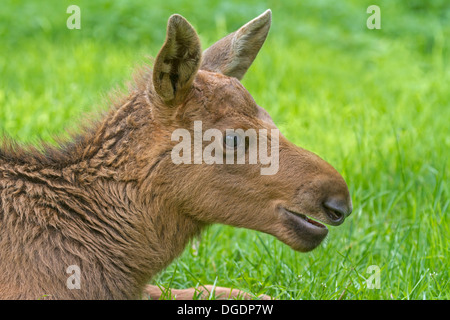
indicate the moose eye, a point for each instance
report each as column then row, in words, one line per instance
column 232, row 140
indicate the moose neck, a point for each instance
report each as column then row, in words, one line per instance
column 124, row 174
column 112, row 215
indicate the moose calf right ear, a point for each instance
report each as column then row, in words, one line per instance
column 233, row 55
column 177, row 62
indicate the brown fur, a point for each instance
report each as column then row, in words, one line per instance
column 112, row 202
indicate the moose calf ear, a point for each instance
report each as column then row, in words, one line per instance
column 177, row 62
column 233, row 55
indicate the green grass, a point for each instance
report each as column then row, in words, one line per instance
column 374, row 103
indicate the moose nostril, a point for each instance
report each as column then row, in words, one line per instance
column 337, row 210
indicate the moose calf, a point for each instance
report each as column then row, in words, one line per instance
column 113, row 203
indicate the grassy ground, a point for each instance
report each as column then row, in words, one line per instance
column 374, row 103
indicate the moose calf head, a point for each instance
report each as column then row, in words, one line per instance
column 192, row 87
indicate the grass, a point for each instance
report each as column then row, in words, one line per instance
column 374, row 103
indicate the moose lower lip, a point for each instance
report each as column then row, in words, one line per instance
column 307, row 219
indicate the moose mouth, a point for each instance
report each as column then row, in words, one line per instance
column 307, row 220
column 305, row 233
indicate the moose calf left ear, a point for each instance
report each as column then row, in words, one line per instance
column 177, row 62
column 233, row 55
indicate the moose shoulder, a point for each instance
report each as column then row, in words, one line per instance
column 113, row 202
